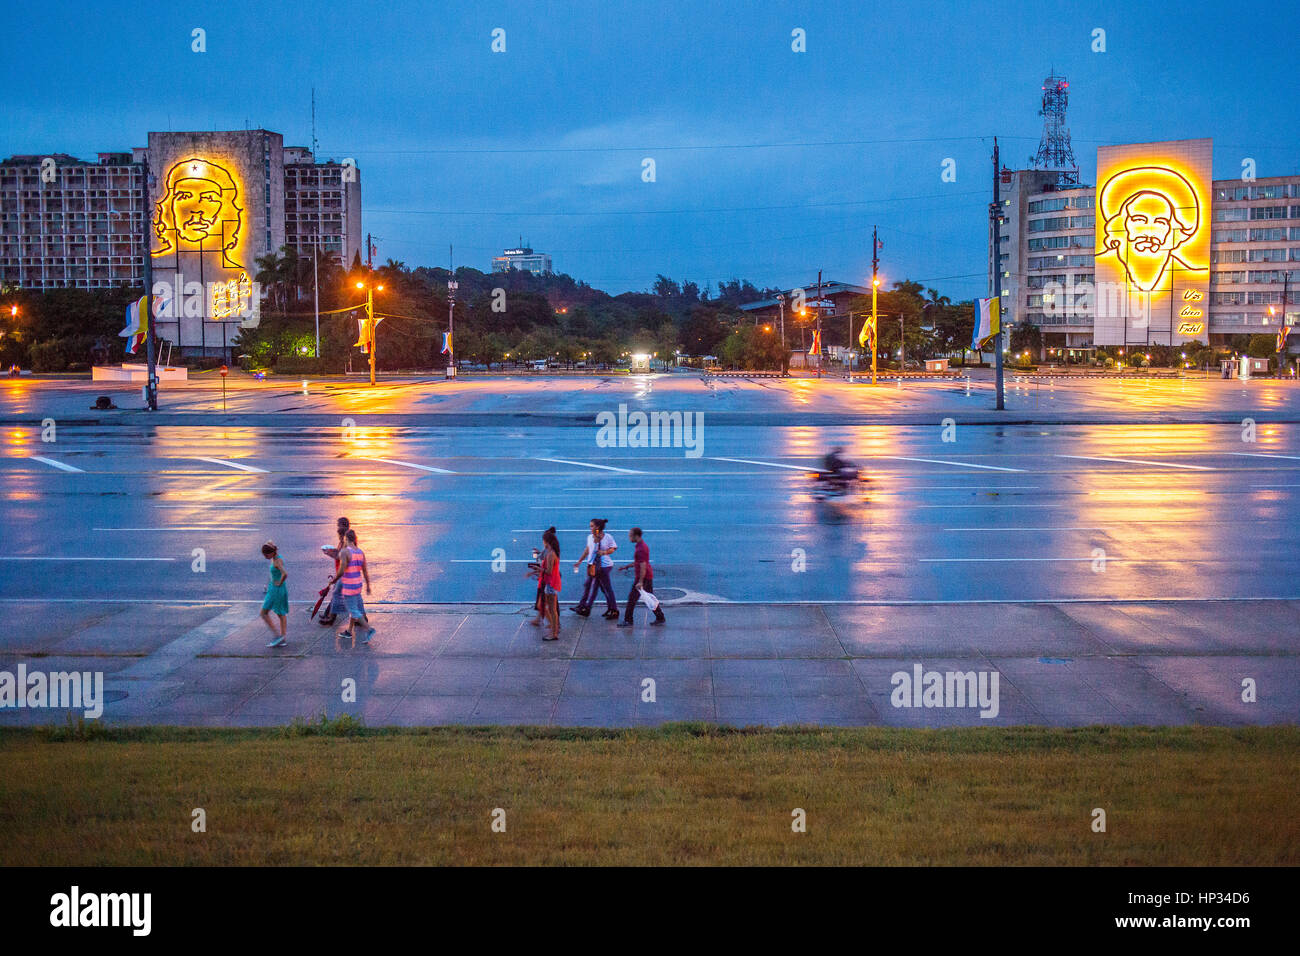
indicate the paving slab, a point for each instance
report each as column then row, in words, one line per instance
column 1061, row 664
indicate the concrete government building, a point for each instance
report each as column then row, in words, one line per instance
column 213, row 204
column 1159, row 253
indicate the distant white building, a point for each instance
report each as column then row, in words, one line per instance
column 522, row 258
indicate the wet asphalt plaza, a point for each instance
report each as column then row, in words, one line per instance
column 1113, row 552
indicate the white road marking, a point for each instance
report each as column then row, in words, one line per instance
column 1109, row 560
column 206, row 527
column 411, row 464
column 26, row 558
column 982, row 489
column 1139, row 461
column 1252, row 454
column 232, row 464
column 588, row 464
column 937, row 461
column 56, row 464
column 632, row 488
column 585, row 507
column 1024, row 529
column 489, row 560
column 770, row 464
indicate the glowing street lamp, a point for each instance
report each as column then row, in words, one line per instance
column 370, row 323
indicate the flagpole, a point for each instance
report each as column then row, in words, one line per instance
column 875, row 284
column 997, row 273
column 150, row 339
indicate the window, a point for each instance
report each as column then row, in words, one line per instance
column 1228, row 255
column 1263, row 298
column 1231, row 214
column 1228, row 235
column 1227, row 298
column 1227, row 277
column 1267, row 212
column 1047, row 205
column 1043, row 225
column 1049, row 242
column 1267, row 235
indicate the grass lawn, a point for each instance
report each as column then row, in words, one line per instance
column 341, row 794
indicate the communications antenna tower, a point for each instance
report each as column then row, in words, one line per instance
column 1054, row 150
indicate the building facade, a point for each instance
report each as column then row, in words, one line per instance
column 523, row 258
column 213, row 203
column 1092, row 266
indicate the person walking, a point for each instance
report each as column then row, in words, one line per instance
column 277, row 595
column 551, row 582
column 336, row 605
column 535, row 571
column 355, row 570
column 644, row 581
column 598, row 555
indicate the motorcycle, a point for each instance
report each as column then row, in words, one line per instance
column 835, row 484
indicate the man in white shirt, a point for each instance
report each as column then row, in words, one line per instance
column 599, row 555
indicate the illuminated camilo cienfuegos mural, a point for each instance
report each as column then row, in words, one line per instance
column 1153, row 241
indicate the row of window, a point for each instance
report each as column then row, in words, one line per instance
column 1269, row 234
column 1229, row 277
column 98, row 283
column 1062, row 202
column 1245, row 298
column 1061, row 262
column 1255, row 213
column 1060, row 242
column 1062, row 222
column 1274, row 191
column 59, row 193
column 1037, row 282
column 1254, row 255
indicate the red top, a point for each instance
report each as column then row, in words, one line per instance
column 641, row 555
column 552, row 577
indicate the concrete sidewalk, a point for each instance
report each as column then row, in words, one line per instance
column 1057, row 664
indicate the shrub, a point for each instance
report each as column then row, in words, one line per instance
column 307, row 365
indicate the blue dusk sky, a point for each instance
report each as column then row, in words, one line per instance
column 769, row 164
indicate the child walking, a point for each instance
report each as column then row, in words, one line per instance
column 277, row 595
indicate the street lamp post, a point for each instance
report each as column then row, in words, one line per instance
column 875, row 316
column 452, row 286
column 315, row 281
column 150, row 337
column 1281, row 336
column 780, row 301
column 370, row 322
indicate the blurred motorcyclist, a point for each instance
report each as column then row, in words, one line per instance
column 833, row 463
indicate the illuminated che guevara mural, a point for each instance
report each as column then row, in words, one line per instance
column 1153, row 225
column 199, row 224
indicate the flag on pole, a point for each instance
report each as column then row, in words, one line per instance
column 816, row 343
column 988, row 322
column 137, row 325
column 446, row 343
column 1282, row 333
column 363, row 335
column 867, row 338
